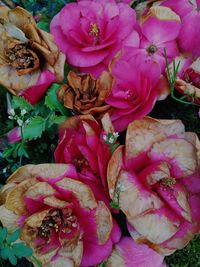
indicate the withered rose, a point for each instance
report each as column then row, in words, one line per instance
column 188, row 78
column 85, row 94
column 60, row 218
column 29, row 59
column 158, row 173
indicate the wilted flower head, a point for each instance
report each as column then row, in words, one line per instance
column 188, row 78
column 127, row 253
column 84, row 94
column 29, row 59
column 97, row 31
column 60, row 218
column 159, row 168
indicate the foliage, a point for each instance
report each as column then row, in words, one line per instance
column 10, row 248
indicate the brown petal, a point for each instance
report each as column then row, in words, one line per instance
column 74, row 81
column 15, row 197
column 114, row 167
column 104, row 86
column 55, row 202
column 184, row 87
column 35, row 220
column 20, row 17
column 8, row 218
column 40, row 189
column 81, row 191
column 104, row 222
column 68, row 98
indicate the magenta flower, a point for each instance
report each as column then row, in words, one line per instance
column 135, row 90
column 159, row 29
column 159, row 173
column 188, row 39
column 94, row 35
column 60, row 217
column 81, row 143
column 112, row 1
column 127, row 253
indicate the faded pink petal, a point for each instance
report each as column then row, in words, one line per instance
column 133, row 254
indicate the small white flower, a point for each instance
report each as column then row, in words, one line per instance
column 23, row 112
column 12, row 112
column 116, row 134
column 20, row 122
column 10, row 117
column 105, row 138
column 111, row 140
column 120, row 187
column 111, row 192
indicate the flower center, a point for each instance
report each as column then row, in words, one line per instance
column 129, row 96
column 152, row 49
column 94, row 30
column 80, row 163
column 21, row 58
column 168, row 181
column 58, row 221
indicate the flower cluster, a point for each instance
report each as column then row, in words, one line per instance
column 112, row 198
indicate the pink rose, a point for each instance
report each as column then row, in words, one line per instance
column 127, row 253
column 60, row 217
column 159, row 29
column 81, row 143
column 136, row 88
column 158, row 170
column 112, row 1
column 94, row 35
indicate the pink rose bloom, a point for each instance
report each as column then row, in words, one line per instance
column 127, row 253
column 188, row 78
column 94, row 35
column 135, row 90
column 81, row 143
column 159, row 29
column 112, row 1
column 189, row 40
column 159, row 173
column 59, row 216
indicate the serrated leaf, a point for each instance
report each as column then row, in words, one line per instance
column 54, row 119
column 21, row 250
column 13, row 237
column 20, row 102
column 34, row 128
column 52, row 102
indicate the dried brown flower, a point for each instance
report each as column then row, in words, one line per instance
column 26, row 51
column 85, row 94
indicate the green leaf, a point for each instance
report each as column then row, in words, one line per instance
column 21, row 250
column 21, row 103
column 7, row 253
column 3, row 234
column 34, row 128
column 54, row 119
column 52, row 102
column 36, row 261
column 13, row 237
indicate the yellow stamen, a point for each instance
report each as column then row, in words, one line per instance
column 169, row 181
column 94, row 30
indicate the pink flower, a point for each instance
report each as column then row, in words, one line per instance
column 81, row 143
column 127, row 253
column 94, row 35
column 188, row 40
column 159, row 173
column 112, row 1
column 188, row 78
column 135, row 90
column 159, row 29
column 60, row 217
